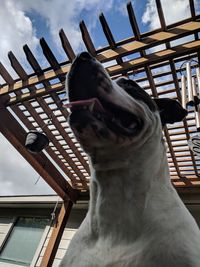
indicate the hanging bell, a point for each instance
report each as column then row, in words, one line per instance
column 36, row 141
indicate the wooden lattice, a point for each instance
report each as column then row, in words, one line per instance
column 38, row 98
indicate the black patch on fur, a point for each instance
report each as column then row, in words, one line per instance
column 171, row 110
column 134, row 90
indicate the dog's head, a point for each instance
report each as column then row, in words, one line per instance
column 108, row 114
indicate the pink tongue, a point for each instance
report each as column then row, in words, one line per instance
column 92, row 101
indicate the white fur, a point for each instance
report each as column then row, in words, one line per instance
column 135, row 217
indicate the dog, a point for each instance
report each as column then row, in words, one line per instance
column 135, row 216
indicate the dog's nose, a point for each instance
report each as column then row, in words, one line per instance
column 85, row 56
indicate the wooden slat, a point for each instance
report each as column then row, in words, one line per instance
column 161, row 15
column 49, row 55
column 30, row 126
column 6, row 75
column 16, row 135
column 65, row 135
column 153, row 58
column 16, row 65
column 107, row 31
column 192, row 9
column 133, row 21
column 87, row 39
column 109, row 35
column 66, row 45
column 46, row 130
column 32, row 60
column 56, row 235
column 56, row 122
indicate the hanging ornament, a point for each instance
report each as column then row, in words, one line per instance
column 190, row 85
column 36, row 141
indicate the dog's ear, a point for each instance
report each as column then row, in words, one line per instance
column 170, row 110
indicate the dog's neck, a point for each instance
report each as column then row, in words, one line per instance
column 123, row 196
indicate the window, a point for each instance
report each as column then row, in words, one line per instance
column 23, row 241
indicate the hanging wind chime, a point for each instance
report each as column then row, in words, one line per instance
column 190, row 85
column 36, row 141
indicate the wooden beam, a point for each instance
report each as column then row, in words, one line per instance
column 56, row 235
column 66, row 45
column 150, row 59
column 6, row 75
column 87, row 39
column 49, row 55
column 109, row 35
column 161, row 15
column 32, row 60
column 48, row 111
column 16, row 135
column 133, row 21
column 49, row 150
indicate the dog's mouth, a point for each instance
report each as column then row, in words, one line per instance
column 90, row 95
column 114, row 117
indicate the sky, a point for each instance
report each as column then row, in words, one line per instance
column 26, row 21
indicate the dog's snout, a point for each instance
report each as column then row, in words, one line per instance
column 85, row 56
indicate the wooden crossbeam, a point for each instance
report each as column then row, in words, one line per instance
column 21, row 72
column 66, row 45
column 6, row 75
column 32, row 60
column 17, row 66
column 49, row 55
column 56, row 235
column 161, row 15
column 87, row 39
column 148, row 60
column 49, row 150
column 16, row 135
column 58, row 125
column 155, row 57
column 109, row 35
column 133, row 21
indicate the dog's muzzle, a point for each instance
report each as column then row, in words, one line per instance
column 91, row 94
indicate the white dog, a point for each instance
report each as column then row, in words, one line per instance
column 135, row 217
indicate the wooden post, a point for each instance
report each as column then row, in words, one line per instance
column 56, row 235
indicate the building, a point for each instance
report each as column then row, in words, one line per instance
column 26, row 224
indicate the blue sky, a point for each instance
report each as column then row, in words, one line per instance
column 26, row 21
column 116, row 17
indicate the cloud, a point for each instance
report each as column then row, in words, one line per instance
column 67, row 15
column 17, row 177
column 16, row 30
column 173, row 11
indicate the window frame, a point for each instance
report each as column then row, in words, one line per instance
column 40, row 244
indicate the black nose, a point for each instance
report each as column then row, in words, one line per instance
column 85, row 56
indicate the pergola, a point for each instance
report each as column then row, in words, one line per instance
column 34, row 100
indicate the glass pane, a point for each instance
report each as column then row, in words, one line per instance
column 23, row 240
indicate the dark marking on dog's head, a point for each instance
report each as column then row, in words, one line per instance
column 134, row 90
column 170, row 110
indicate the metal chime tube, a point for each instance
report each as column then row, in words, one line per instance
column 197, row 119
column 194, row 91
column 197, row 111
column 184, row 94
column 198, row 79
column 189, row 85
